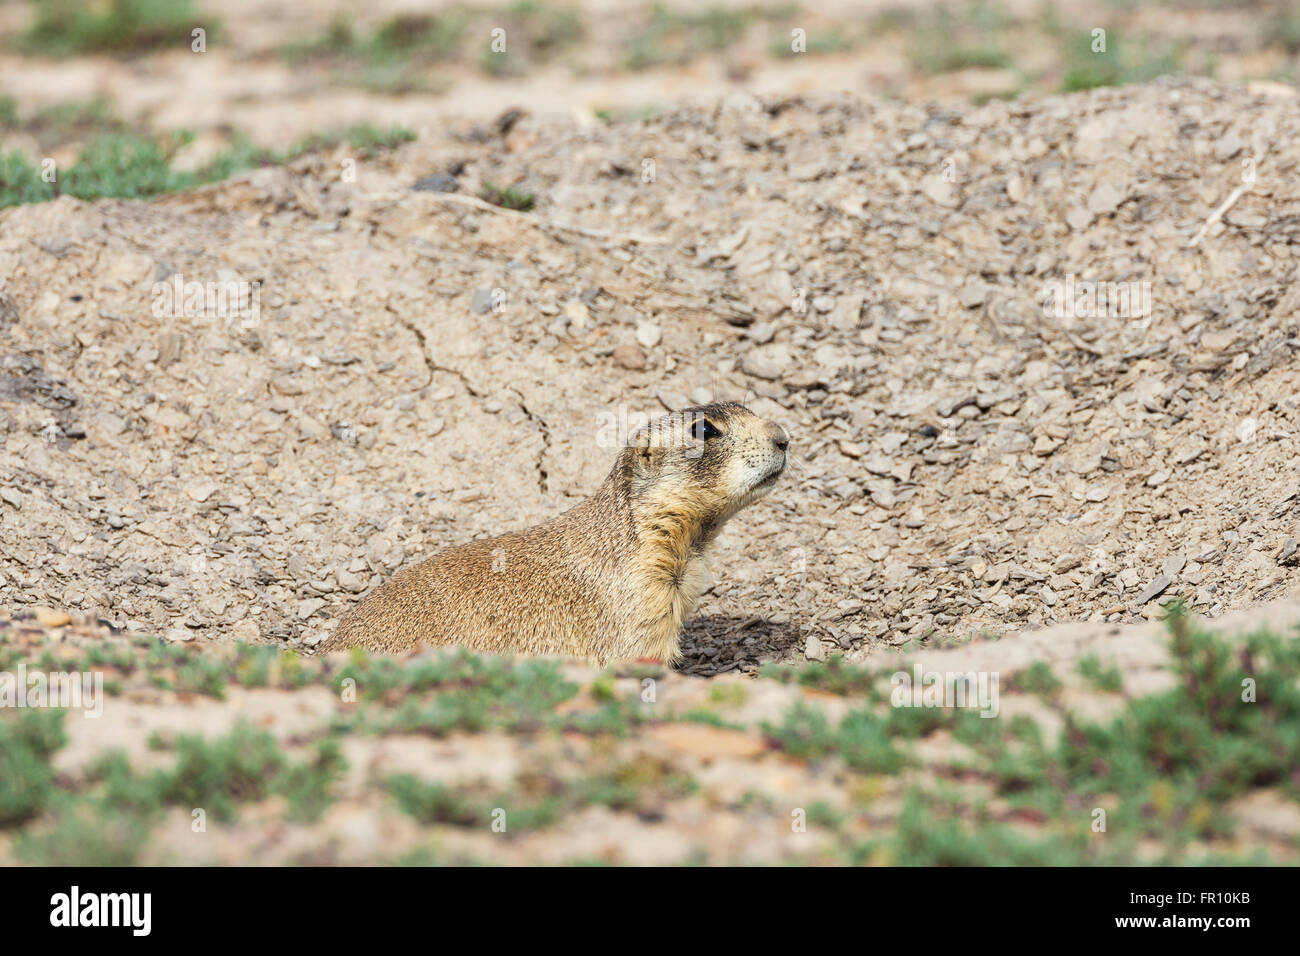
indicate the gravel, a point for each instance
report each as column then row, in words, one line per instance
column 963, row 461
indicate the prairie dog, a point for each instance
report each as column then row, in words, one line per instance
column 613, row 578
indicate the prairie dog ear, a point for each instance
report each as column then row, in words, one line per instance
column 671, row 431
column 638, row 463
column 646, row 459
column 649, row 446
column 639, row 452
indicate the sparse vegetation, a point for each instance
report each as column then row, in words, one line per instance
column 639, row 786
column 862, row 739
column 835, row 676
column 73, row 121
column 945, row 42
column 1102, row 678
column 26, row 781
column 508, row 197
column 1167, row 765
column 109, row 822
column 667, row 36
column 1038, row 679
column 86, row 832
column 20, row 181
column 367, row 139
column 396, row 55
column 1166, row 769
column 1127, row 59
column 70, row 27
column 127, row 165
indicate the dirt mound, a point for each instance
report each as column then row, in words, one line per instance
column 360, row 373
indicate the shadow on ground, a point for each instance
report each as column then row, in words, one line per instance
column 716, row 644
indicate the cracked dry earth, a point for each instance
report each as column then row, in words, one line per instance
column 425, row 369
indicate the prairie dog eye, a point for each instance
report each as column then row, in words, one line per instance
column 704, row 430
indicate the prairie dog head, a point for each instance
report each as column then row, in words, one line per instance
column 705, row 463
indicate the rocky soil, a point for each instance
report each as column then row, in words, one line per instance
column 418, row 368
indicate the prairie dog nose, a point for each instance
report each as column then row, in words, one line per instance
column 780, row 437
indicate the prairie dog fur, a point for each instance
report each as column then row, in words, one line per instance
column 613, row 578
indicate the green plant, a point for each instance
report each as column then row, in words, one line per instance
column 946, row 42
column 1101, row 678
column 509, row 197
column 395, row 54
column 84, row 833
column 1133, row 59
column 435, row 803
column 834, row 676
column 307, row 786
column 20, row 181
column 931, row 831
column 77, row 27
column 670, row 35
column 26, row 780
column 218, row 775
column 127, row 166
column 863, row 739
column 1038, row 679
column 366, row 138
column 131, row 166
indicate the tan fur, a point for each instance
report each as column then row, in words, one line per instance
column 613, row 578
